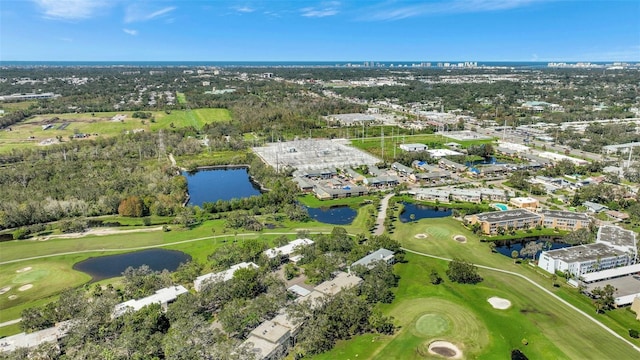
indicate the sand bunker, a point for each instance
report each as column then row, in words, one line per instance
column 13, row 297
column 23, row 269
column 499, row 303
column 460, row 238
column 446, row 349
column 421, row 236
column 5, row 289
column 25, row 287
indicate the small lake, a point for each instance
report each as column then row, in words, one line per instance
column 508, row 246
column 423, row 212
column 105, row 267
column 211, row 185
column 336, row 215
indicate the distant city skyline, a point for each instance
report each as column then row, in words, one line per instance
column 404, row 30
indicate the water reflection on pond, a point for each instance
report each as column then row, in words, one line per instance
column 211, row 185
column 105, row 267
column 336, row 215
column 422, row 212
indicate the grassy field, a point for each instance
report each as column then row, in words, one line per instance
column 312, row 201
column 481, row 332
column 48, row 276
column 181, row 98
column 31, row 133
column 432, row 140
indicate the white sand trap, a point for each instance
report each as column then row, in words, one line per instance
column 460, row 238
column 13, row 297
column 25, row 287
column 24, row 269
column 499, row 303
column 421, row 236
column 5, row 289
column 445, row 349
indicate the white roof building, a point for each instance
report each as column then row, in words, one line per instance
column 162, row 297
column 223, row 276
column 288, row 249
column 413, row 147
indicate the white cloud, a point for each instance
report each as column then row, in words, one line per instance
column 130, row 32
column 326, row 9
column 244, row 9
column 71, row 9
column 386, row 12
column 138, row 13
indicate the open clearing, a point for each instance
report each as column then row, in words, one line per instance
column 31, row 132
column 499, row 303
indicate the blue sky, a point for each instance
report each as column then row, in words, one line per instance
column 280, row 30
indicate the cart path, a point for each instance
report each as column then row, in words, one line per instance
column 382, row 214
column 150, row 246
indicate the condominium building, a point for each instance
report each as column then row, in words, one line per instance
column 583, row 259
column 518, row 219
column 564, row 220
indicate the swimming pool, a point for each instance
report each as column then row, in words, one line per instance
column 501, row 207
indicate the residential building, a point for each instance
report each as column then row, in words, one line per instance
column 619, row 239
column 381, row 254
column 433, row 195
column 564, row 220
column 303, row 185
column 285, row 252
column 355, row 176
column 450, row 165
column 163, row 297
column 519, row 219
column 382, row 181
column 583, row 259
column 401, row 169
column 594, row 207
column 33, row 339
column 466, row 195
column 223, row 276
column 524, row 203
column 326, row 192
column 430, row 177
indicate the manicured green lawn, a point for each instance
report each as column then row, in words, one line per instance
column 312, row 201
column 181, row 98
column 552, row 330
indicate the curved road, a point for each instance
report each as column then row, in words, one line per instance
column 541, row 288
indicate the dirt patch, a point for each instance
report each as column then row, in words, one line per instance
column 24, row 269
column 25, row 287
column 445, row 349
column 499, row 303
column 460, row 238
column 420, row 236
column 5, row 289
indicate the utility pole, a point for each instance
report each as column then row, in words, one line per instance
column 382, row 142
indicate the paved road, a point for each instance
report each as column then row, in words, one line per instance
column 543, row 289
column 382, row 214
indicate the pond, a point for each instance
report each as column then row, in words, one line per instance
column 105, row 267
column 335, row 215
column 505, row 248
column 422, row 212
column 211, row 185
column 487, row 161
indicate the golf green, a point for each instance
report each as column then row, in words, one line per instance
column 30, row 276
column 432, row 325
